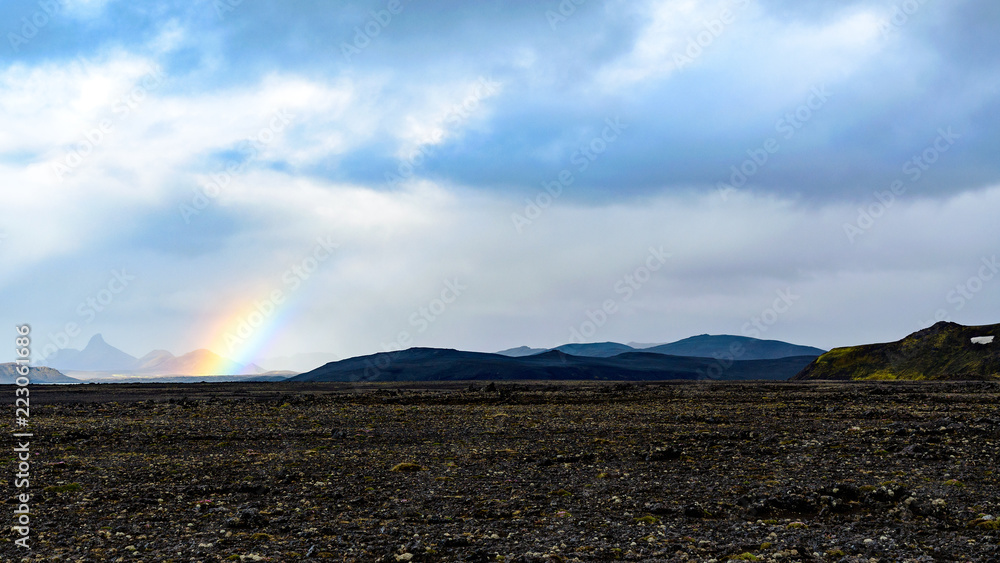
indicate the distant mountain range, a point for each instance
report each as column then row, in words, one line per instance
column 100, row 358
column 945, row 351
column 522, row 351
column 43, row 375
column 434, row 364
column 98, row 355
column 712, row 356
column 702, row 346
column 723, row 357
column 595, row 350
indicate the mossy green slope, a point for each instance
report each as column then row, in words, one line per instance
column 944, row 351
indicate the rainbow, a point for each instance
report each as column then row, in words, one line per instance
column 244, row 332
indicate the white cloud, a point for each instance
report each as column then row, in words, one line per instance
column 108, row 135
column 728, row 262
column 743, row 38
column 669, row 27
column 167, row 139
column 85, row 9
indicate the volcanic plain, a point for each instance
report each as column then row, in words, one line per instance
column 515, row 472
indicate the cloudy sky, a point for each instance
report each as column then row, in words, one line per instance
column 264, row 178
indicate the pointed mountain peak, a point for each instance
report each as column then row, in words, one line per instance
column 98, row 355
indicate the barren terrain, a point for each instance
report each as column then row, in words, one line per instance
column 514, row 472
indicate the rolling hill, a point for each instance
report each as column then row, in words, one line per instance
column 945, row 351
column 740, row 347
column 702, row 346
column 193, row 363
column 100, row 359
column 522, row 351
column 39, row 375
column 595, row 349
column 434, row 364
column 98, row 355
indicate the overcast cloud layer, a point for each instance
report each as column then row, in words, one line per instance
column 371, row 175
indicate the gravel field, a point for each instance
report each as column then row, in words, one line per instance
column 523, row 472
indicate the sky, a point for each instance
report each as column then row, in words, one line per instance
column 265, row 178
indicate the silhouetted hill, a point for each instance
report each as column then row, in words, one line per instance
column 39, row 375
column 522, row 351
column 644, row 345
column 433, row 364
column 98, row 355
column 101, row 360
column 944, row 351
column 738, row 347
column 595, row 349
column 153, row 359
column 196, row 363
column 704, row 346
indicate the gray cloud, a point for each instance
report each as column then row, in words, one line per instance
column 891, row 91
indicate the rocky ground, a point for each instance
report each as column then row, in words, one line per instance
column 520, row 473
